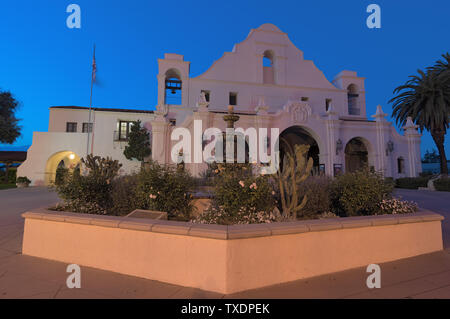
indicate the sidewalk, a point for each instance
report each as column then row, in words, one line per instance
column 426, row 276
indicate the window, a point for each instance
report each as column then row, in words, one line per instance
column 305, row 99
column 327, row 104
column 400, row 165
column 71, row 127
column 268, row 69
column 206, row 95
column 124, row 128
column 233, row 98
column 352, row 95
column 87, row 128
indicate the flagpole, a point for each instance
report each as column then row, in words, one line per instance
column 90, row 106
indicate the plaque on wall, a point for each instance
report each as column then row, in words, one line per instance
column 337, row 169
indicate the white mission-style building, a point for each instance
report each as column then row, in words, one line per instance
column 270, row 85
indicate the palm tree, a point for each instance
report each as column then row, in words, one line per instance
column 426, row 99
column 442, row 67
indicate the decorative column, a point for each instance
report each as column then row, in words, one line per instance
column 262, row 120
column 381, row 157
column 202, row 114
column 161, row 88
column 413, row 137
column 159, row 132
column 185, row 91
column 332, row 154
column 230, row 140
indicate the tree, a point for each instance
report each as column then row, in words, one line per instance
column 431, row 157
column 426, row 99
column 138, row 143
column 442, row 67
column 9, row 128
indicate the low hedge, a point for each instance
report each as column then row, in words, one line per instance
column 412, row 182
column 442, row 184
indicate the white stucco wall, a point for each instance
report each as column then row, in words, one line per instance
column 46, row 144
column 296, row 97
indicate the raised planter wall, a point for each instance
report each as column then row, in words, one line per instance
column 228, row 259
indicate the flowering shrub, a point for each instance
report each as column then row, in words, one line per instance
column 80, row 206
column 166, row 189
column 317, row 190
column 123, row 195
column 359, row 193
column 397, row 206
column 217, row 215
column 325, row 215
column 89, row 193
column 240, row 196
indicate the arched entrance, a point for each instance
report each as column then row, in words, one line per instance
column 64, row 159
column 295, row 135
column 356, row 155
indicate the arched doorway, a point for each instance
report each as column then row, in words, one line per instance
column 356, row 155
column 295, row 135
column 65, row 159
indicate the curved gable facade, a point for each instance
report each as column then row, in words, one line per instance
column 244, row 63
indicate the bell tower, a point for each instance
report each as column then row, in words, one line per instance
column 173, row 80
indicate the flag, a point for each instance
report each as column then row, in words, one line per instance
column 94, row 67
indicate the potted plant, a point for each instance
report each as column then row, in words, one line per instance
column 22, row 181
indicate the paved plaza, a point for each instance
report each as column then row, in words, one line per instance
column 426, row 276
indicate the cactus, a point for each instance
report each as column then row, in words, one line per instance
column 295, row 171
column 101, row 167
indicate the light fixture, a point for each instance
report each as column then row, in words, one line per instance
column 72, row 156
column 389, row 147
column 338, row 146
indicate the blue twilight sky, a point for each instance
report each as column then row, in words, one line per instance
column 44, row 63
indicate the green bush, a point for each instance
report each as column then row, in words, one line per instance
column 165, row 188
column 23, row 180
column 317, row 190
column 442, row 184
column 123, row 195
column 89, row 193
column 412, row 182
column 240, row 196
column 61, row 173
column 12, row 175
column 426, row 174
column 359, row 193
